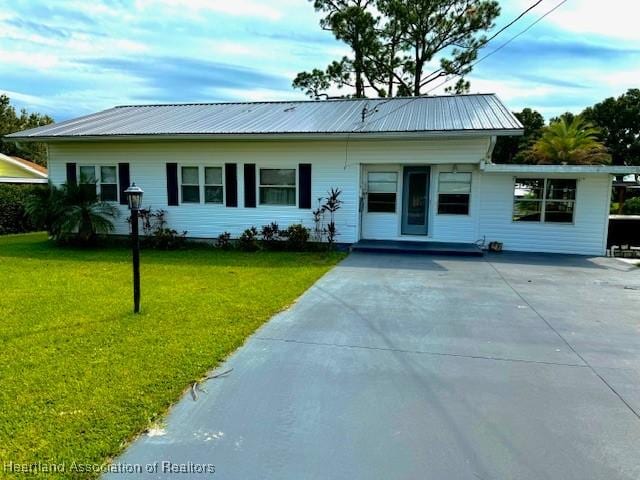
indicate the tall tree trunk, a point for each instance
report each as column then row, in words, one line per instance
column 392, row 55
column 418, row 73
column 358, row 66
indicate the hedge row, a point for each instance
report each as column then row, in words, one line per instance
column 13, row 218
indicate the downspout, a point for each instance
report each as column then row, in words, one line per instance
column 483, row 162
column 492, row 145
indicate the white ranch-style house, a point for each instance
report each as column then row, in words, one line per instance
column 414, row 169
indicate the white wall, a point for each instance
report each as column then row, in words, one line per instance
column 335, row 164
column 442, row 228
column 147, row 168
column 585, row 236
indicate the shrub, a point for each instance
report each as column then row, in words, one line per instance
column 271, row 235
column 614, row 208
column 71, row 213
column 13, row 214
column 297, row 237
column 331, row 205
column 168, row 239
column 631, row 206
column 248, row 241
column 156, row 233
column 223, row 241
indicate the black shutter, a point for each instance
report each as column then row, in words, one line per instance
column 124, row 180
column 250, row 185
column 304, row 185
column 72, row 176
column 172, row 184
column 231, row 184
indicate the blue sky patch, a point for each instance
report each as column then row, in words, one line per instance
column 75, row 57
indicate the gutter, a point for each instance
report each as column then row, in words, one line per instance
column 23, row 180
column 517, row 168
column 417, row 135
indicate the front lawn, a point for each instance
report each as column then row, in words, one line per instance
column 80, row 375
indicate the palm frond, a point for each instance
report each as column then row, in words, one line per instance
column 573, row 143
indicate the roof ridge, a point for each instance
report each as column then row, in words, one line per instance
column 272, row 102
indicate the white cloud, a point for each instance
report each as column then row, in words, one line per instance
column 237, row 8
column 257, row 94
column 234, row 49
column 618, row 18
column 32, row 60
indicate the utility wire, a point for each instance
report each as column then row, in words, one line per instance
column 496, row 50
column 439, row 73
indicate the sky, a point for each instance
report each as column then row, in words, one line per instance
column 68, row 58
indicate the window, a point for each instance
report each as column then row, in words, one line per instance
column 454, row 192
column 213, row 189
column 381, row 192
column 277, row 186
column 88, row 179
column 544, row 200
column 190, row 185
column 108, row 184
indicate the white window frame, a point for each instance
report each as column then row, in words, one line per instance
column 199, row 185
column 97, row 175
column 259, row 186
column 205, row 184
column 100, row 183
column 469, row 194
column 395, row 192
column 543, row 201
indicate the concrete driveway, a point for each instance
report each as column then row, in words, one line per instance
column 408, row 367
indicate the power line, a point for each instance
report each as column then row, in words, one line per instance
column 486, row 41
column 497, row 49
column 439, row 71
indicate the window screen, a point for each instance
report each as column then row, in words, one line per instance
column 382, row 191
column 454, row 192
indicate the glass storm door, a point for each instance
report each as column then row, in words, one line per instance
column 415, row 200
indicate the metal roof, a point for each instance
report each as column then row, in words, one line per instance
column 453, row 114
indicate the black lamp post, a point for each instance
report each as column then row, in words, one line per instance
column 134, row 196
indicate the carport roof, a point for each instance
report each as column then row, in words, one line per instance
column 533, row 169
column 432, row 115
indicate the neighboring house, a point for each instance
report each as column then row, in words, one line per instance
column 19, row 170
column 409, row 169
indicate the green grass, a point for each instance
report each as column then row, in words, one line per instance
column 80, row 375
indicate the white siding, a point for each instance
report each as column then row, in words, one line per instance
column 335, row 164
column 442, row 228
column 585, row 236
column 421, row 152
column 338, row 164
column 147, row 168
column 455, row 228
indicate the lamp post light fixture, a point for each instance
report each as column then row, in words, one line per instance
column 134, row 197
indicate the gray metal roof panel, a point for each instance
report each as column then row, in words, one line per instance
column 454, row 113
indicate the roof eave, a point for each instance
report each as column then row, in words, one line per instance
column 264, row 136
column 40, row 181
column 22, row 166
column 535, row 169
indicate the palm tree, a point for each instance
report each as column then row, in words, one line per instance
column 72, row 210
column 572, row 142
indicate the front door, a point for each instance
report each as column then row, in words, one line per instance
column 415, row 200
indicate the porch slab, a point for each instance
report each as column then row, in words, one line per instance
column 425, row 248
